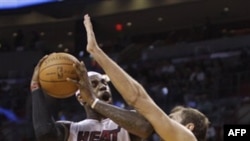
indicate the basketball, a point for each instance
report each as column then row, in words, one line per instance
column 53, row 73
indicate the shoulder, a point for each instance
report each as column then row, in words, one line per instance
column 64, row 124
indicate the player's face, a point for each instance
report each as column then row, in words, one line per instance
column 101, row 88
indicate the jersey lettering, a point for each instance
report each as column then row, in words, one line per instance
column 83, row 136
column 105, row 135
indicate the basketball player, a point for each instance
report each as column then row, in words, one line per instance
column 182, row 124
column 111, row 124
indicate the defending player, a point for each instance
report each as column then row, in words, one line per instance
column 179, row 128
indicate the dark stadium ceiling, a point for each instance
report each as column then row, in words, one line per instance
column 143, row 15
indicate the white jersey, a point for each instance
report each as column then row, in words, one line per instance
column 94, row 130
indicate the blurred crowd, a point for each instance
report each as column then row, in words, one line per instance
column 218, row 87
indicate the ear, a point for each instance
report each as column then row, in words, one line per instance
column 190, row 126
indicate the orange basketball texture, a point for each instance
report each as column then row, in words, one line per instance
column 53, row 73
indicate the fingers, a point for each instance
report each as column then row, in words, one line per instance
column 91, row 40
column 41, row 60
column 81, row 72
column 86, row 20
column 80, row 68
column 87, row 23
column 72, row 80
column 36, row 70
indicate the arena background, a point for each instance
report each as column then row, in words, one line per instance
column 189, row 52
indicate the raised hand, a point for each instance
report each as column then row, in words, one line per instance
column 92, row 44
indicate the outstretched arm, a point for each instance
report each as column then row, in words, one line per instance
column 130, row 120
column 134, row 94
column 44, row 126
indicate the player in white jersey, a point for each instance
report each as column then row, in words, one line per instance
column 106, row 123
column 92, row 130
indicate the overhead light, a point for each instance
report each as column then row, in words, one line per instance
column 129, row 24
column 160, row 19
column 226, row 9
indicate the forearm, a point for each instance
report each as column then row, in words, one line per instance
column 44, row 126
column 129, row 120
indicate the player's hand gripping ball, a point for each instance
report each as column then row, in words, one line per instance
column 53, row 73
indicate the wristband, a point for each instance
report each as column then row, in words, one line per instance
column 94, row 103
